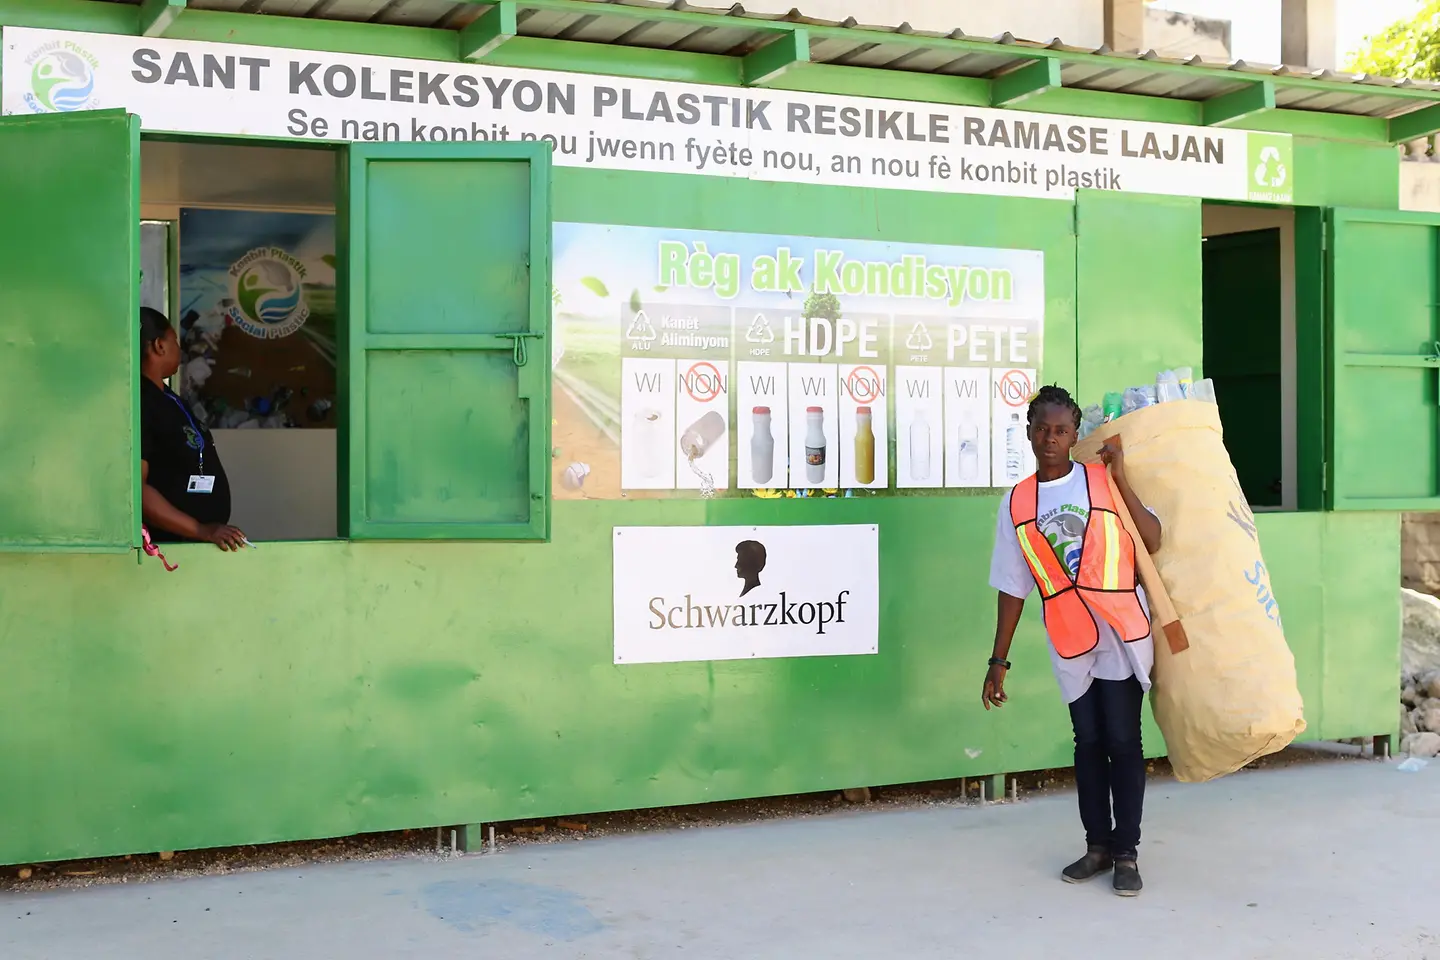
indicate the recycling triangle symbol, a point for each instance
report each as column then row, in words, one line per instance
column 760, row 330
column 919, row 338
column 641, row 330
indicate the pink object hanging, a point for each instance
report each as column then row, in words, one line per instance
column 153, row 551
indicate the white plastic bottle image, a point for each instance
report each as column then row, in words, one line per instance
column 1014, row 450
column 762, row 447
column 701, row 435
column 648, row 442
column 919, row 447
column 815, row 444
column 969, row 452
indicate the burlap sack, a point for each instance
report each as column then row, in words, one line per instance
column 1230, row 696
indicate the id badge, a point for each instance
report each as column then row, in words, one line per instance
column 200, row 484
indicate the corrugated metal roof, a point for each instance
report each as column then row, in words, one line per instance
column 734, row 31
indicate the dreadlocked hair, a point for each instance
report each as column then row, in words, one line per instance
column 1052, row 395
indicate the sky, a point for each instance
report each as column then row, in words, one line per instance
column 1255, row 24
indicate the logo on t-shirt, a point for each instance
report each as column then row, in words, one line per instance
column 1064, row 527
column 192, row 439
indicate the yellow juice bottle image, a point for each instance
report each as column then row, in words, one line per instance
column 864, row 447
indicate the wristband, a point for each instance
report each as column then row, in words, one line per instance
column 997, row 662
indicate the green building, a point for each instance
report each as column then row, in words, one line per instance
column 471, row 293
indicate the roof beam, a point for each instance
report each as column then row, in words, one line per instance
column 1034, row 79
column 491, row 29
column 1232, row 109
column 156, row 16
column 776, row 58
column 1415, row 124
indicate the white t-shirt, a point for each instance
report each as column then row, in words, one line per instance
column 1062, row 510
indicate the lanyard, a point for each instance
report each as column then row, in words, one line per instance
column 198, row 435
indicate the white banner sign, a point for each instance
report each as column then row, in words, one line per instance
column 733, row 593
column 617, row 123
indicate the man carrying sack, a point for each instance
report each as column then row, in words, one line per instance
column 1060, row 530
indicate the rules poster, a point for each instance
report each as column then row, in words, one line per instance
column 697, row 363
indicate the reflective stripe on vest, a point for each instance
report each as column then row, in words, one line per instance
column 1105, row 588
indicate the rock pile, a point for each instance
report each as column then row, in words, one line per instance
column 1420, row 675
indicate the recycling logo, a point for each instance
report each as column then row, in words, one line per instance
column 1271, row 172
column 919, row 339
column 760, row 330
column 641, row 330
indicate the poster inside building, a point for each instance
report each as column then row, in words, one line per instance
column 699, row 363
column 257, row 318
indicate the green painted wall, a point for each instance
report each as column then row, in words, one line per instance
column 331, row 687
column 304, row 690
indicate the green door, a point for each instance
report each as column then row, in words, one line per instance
column 69, row 300
column 1383, row 361
column 446, row 429
column 1242, row 355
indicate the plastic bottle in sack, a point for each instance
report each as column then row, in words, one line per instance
column 1135, row 399
column 1114, row 406
column 1092, row 418
column 762, row 447
column 1186, row 376
column 815, row 444
column 919, row 447
column 1167, row 387
column 1203, row 390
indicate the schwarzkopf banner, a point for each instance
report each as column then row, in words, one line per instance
column 615, row 123
column 733, row 593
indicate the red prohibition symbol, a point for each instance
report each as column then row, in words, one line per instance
column 863, row 384
column 702, row 382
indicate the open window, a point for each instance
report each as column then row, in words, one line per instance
column 1383, row 360
column 259, row 365
column 392, row 383
column 69, row 272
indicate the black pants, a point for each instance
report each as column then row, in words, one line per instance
column 1110, row 763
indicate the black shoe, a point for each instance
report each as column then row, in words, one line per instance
column 1095, row 862
column 1127, row 879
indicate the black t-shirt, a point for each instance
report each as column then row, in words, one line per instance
column 171, row 446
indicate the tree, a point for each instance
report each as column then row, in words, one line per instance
column 1407, row 48
column 825, row 305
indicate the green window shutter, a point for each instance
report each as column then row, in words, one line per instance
column 446, row 429
column 69, row 303
column 1138, row 288
column 1383, row 360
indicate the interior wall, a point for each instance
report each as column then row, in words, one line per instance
column 283, row 482
column 1218, row 219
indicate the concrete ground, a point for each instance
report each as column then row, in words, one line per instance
column 1321, row 860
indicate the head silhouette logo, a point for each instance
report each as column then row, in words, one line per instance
column 268, row 290
column 62, row 78
column 749, row 562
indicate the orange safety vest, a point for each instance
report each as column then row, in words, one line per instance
column 1106, row 586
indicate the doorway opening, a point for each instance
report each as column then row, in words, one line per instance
column 1249, row 344
column 239, row 250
